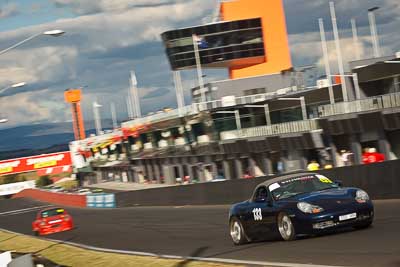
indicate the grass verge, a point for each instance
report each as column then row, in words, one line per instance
column 74, row 256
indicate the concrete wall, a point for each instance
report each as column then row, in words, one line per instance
column 380, row 180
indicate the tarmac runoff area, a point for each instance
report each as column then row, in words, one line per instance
column 201, row 232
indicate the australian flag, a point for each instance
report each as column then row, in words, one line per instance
column 201, row 42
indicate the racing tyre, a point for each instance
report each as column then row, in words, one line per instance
column 36, row 233
column 285, row 227
column 237, row 232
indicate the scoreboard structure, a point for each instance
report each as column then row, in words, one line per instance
column 250, row 40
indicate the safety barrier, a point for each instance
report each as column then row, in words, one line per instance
column 64, row 199
column 100, row 201
column 380, row 180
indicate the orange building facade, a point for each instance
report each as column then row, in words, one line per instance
column 73, row 97
column 275, row 37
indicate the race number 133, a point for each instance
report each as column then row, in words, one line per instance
column 257, row 214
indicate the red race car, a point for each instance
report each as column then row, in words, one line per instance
column 52, row 220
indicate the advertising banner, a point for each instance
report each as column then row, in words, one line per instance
column 35, row 163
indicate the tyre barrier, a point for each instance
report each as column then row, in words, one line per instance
column 100, row 201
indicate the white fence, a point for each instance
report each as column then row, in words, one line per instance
column 368, row 104
column 197, row 107
column 275, row 129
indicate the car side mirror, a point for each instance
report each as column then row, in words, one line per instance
column 338, row 183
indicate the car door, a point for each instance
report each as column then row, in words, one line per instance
column 261, row 214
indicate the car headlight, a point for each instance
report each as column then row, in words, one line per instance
column 361, row 196
column 309, row 208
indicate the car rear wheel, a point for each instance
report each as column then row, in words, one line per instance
column 285, row 227
column 236, row 231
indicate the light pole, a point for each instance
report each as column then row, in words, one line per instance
column 266, row 111
column 374, row 32
column 16, row 85
column 195, row 39
column 237, row 117
column 114, row 116
column 96, row 114
column 180, row 98
column 338, row 50
column 326, row 60
column 355, row 38
column 302, row 104
column 134, row 95
column 54, row 33
column 12, row 86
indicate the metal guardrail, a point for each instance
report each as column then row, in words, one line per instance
column 368, row 104
column 275, row 129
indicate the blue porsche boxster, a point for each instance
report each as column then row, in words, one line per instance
column 299, row 204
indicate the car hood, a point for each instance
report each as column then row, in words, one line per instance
column 329, row 199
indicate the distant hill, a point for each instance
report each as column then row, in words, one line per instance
column 37, row 139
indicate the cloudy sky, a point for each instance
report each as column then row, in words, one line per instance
column 106, row 39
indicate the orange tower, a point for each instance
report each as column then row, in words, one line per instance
column 275, row 38
column 74, row 96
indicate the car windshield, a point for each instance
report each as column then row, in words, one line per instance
column 300, row 185
column 52, row 212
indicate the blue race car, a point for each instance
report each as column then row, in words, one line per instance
column 299, row 204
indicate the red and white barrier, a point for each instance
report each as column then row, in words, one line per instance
column 64, row 199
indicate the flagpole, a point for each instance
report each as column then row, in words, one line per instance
column 198, row 67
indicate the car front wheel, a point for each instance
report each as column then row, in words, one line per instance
column 285, row 227
column 236, row 231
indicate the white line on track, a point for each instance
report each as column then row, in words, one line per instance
column 215, row 260
column 15, row 212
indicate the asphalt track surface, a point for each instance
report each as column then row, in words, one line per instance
column 202, row 232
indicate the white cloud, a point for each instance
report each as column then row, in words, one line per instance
column 8, row 10
column 90, row 6
column 31, row 107
column 42, row 64
column 111, row 38
column 19, row 74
